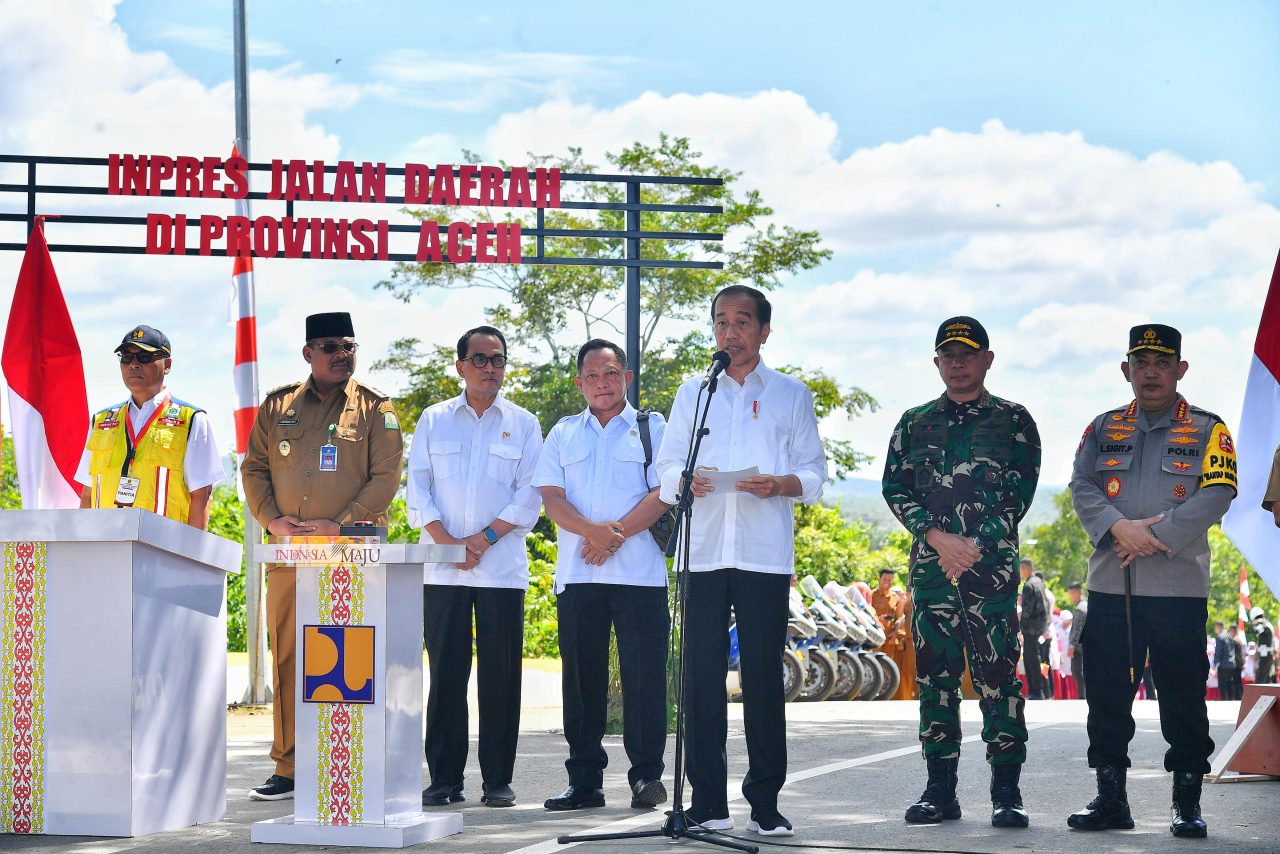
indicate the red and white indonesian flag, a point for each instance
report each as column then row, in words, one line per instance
column 1252, row 529
column 246, row 325
column 47, row 401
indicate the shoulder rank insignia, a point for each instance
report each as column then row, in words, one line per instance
column 1184, row 440
column 1131, row 411
column 1181, row 411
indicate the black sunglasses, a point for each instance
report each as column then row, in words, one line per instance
column 480, row 360
column 331, row 347
column 142, row 358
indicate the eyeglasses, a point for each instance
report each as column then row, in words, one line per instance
column 331, row 347
column 141, row 357
column 479, row 360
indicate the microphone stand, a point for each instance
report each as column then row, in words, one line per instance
column 677, row 824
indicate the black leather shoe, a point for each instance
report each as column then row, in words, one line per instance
column 1110, row 809
column 440, row 794
column 576, row 798
column 1187, row 821
column 498, row 795
column 647, row 794
column 939, row 799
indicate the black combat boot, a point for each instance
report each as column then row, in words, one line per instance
column 1186, row 806
column 939, row 799
column 1108, row 811
column 1006, row 800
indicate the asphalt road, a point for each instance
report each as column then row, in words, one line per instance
column 854, row 769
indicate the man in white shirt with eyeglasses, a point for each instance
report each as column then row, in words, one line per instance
column 742, row 555
column 470, row 470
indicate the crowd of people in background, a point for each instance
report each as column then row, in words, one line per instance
column 1051, row 665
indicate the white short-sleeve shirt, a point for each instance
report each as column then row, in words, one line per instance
column 602, row 471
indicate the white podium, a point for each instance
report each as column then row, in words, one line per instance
column 113, row 672
column 358, row 698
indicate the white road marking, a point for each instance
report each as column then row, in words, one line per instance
column 655, row 818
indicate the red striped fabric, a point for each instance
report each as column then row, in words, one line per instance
column 245, row 370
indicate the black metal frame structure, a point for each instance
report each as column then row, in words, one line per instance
column 632, row 236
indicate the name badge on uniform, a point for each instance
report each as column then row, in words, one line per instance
column 328, row 457
column 127, row 491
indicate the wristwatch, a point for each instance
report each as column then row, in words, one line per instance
column 490, row 535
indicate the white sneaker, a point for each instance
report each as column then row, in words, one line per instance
column 774, row 825
column 706, row 821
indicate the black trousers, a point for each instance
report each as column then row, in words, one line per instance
column 759, row 600
column 499, row 640
column 1032, row 658
column 640, row 621
column 1171, row 630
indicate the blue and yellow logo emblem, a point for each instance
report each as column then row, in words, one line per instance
column 337, row 664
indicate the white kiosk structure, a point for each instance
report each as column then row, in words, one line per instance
column 358, row 698
column 113, row 672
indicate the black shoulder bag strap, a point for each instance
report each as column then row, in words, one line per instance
column 646, row 442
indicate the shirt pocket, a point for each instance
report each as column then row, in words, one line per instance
column 503, row 460
column 576, row 463
column 1113, row 472
column 1178, row 481
column 446, row 460
column 627, row 468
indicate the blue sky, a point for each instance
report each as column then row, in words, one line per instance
column 1129, row 149
column 1196, row 78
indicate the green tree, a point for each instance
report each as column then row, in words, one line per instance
column 10, row 494
column 1224, row 585
column 226, row 519
column 832, row 549
column 1061, row 549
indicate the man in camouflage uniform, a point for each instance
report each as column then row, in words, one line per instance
column 960, row 473
column 1149, row 480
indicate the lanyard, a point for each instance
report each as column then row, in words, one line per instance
column 131, row 440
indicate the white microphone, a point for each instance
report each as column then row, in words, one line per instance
column 719, row 362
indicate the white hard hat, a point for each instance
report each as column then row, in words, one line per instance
column 1257, row 614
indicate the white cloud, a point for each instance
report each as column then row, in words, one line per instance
column 483, row 82
column 215, row 39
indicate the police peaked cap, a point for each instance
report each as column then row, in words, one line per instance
column 331, row 324
column 1155, row 336
column 964, row 329
column 147, row 338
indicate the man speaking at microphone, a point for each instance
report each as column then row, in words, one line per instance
column 741, row 556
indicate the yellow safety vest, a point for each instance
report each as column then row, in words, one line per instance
column 157, row 461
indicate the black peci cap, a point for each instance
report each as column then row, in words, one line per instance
column 147, row 338
column 331, row 324
column 1154, row 336
column 964, row 329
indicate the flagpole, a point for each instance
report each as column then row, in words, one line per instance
column 254, row 600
